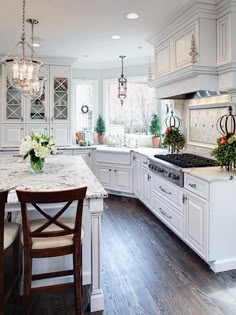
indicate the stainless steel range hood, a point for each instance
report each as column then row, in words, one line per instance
column 197, row 95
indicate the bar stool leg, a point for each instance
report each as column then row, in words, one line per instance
column 27, row 281
column 77, row 280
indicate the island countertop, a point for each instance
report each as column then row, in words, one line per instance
column 60, row 172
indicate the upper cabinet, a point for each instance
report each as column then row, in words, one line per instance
column 60, row 94
column 50, row 113
column 212, row 23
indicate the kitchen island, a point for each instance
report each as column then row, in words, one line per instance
column 63, row 172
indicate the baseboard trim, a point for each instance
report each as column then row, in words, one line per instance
column 223, row 265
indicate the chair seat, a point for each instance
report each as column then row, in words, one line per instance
column 10, row 233
column 52, row 242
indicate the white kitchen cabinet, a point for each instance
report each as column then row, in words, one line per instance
column 137, row 160
column 61, row 134
column 51, row 110
column 37, row 128
column 146, row 186
column 12, row 134
column 60, row 81
column 196, row 223
column 115, row 177
column 86, row 155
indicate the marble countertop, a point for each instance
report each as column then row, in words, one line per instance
column 211, row 174
column 60, row 172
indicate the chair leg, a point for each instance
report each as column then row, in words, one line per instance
column 77, row 280
column 27, row 281
column 16, row 268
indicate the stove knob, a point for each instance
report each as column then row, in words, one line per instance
column 160, row 170
column 175, row 176
column 170, row 175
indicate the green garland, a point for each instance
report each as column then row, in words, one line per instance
column 225, row 152
column 173, row 140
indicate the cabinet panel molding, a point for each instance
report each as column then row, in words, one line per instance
column 223, row 39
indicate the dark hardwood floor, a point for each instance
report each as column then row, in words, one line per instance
column 147, row 270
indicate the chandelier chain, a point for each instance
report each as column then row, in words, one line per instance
column 23, row 30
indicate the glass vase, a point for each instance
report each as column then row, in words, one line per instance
column 37, row 165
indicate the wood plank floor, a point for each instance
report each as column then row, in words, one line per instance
column 147, row 270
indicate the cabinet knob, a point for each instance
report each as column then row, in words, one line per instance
column 45, row 118
column 109, row 170
column 22, row 118
column 115, row 171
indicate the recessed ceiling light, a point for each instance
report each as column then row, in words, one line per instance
column 85, row 56
column 35, row 45
column 132, row 16
column 115, row 37
column 140, row 47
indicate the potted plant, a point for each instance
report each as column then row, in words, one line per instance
column 173, row 140
column 100, row 129
column 225, row 152
column 155, row 129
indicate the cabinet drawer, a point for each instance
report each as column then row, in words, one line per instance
column 170, row 192
column 168, row 214
column 197, row 186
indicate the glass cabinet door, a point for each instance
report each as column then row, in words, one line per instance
column 38, row 108
column 60, row 98
column 14, row 104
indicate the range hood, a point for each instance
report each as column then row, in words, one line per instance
column 187, row 83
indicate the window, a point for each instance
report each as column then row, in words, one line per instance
column 134, row 116
column 85, row 102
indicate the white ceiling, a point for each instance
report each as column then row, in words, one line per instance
column 76, row 28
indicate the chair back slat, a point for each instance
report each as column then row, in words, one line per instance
column 36, row 198
column 52, row 220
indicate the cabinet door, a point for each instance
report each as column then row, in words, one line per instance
column 86, row 155
column 137, row 175
column 12, row 102
column 104, row 175
column 60, row 94
column 12, row 135
column 38, row 109
column 196, row 223
column 37, row 128
column 122, row 179
column 61, row 134
column 146, row 186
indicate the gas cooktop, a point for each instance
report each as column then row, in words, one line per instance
column 186, row 160
column 170, row 166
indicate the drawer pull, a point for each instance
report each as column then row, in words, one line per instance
column 192, row 185
column 165, row 191
column 146, row 163
column 165, row 214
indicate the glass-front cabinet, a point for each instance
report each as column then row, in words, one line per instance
column 13, row 111
column 50, row 113
column 60, row 98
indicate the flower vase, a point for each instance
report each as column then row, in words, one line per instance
column 37, row 164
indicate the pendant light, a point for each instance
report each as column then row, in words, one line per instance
column 22, row 71
column 122, row 84
column 36, row 86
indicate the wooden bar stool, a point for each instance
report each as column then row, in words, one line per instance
column 9, row 238
column 50, row 237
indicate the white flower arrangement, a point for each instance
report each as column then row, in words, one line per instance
column 37, row 145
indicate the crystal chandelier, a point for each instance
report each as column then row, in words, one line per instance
column 22, row 71
column 122, row 84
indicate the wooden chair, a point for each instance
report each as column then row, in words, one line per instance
column 9, row 239
column 50, row 237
